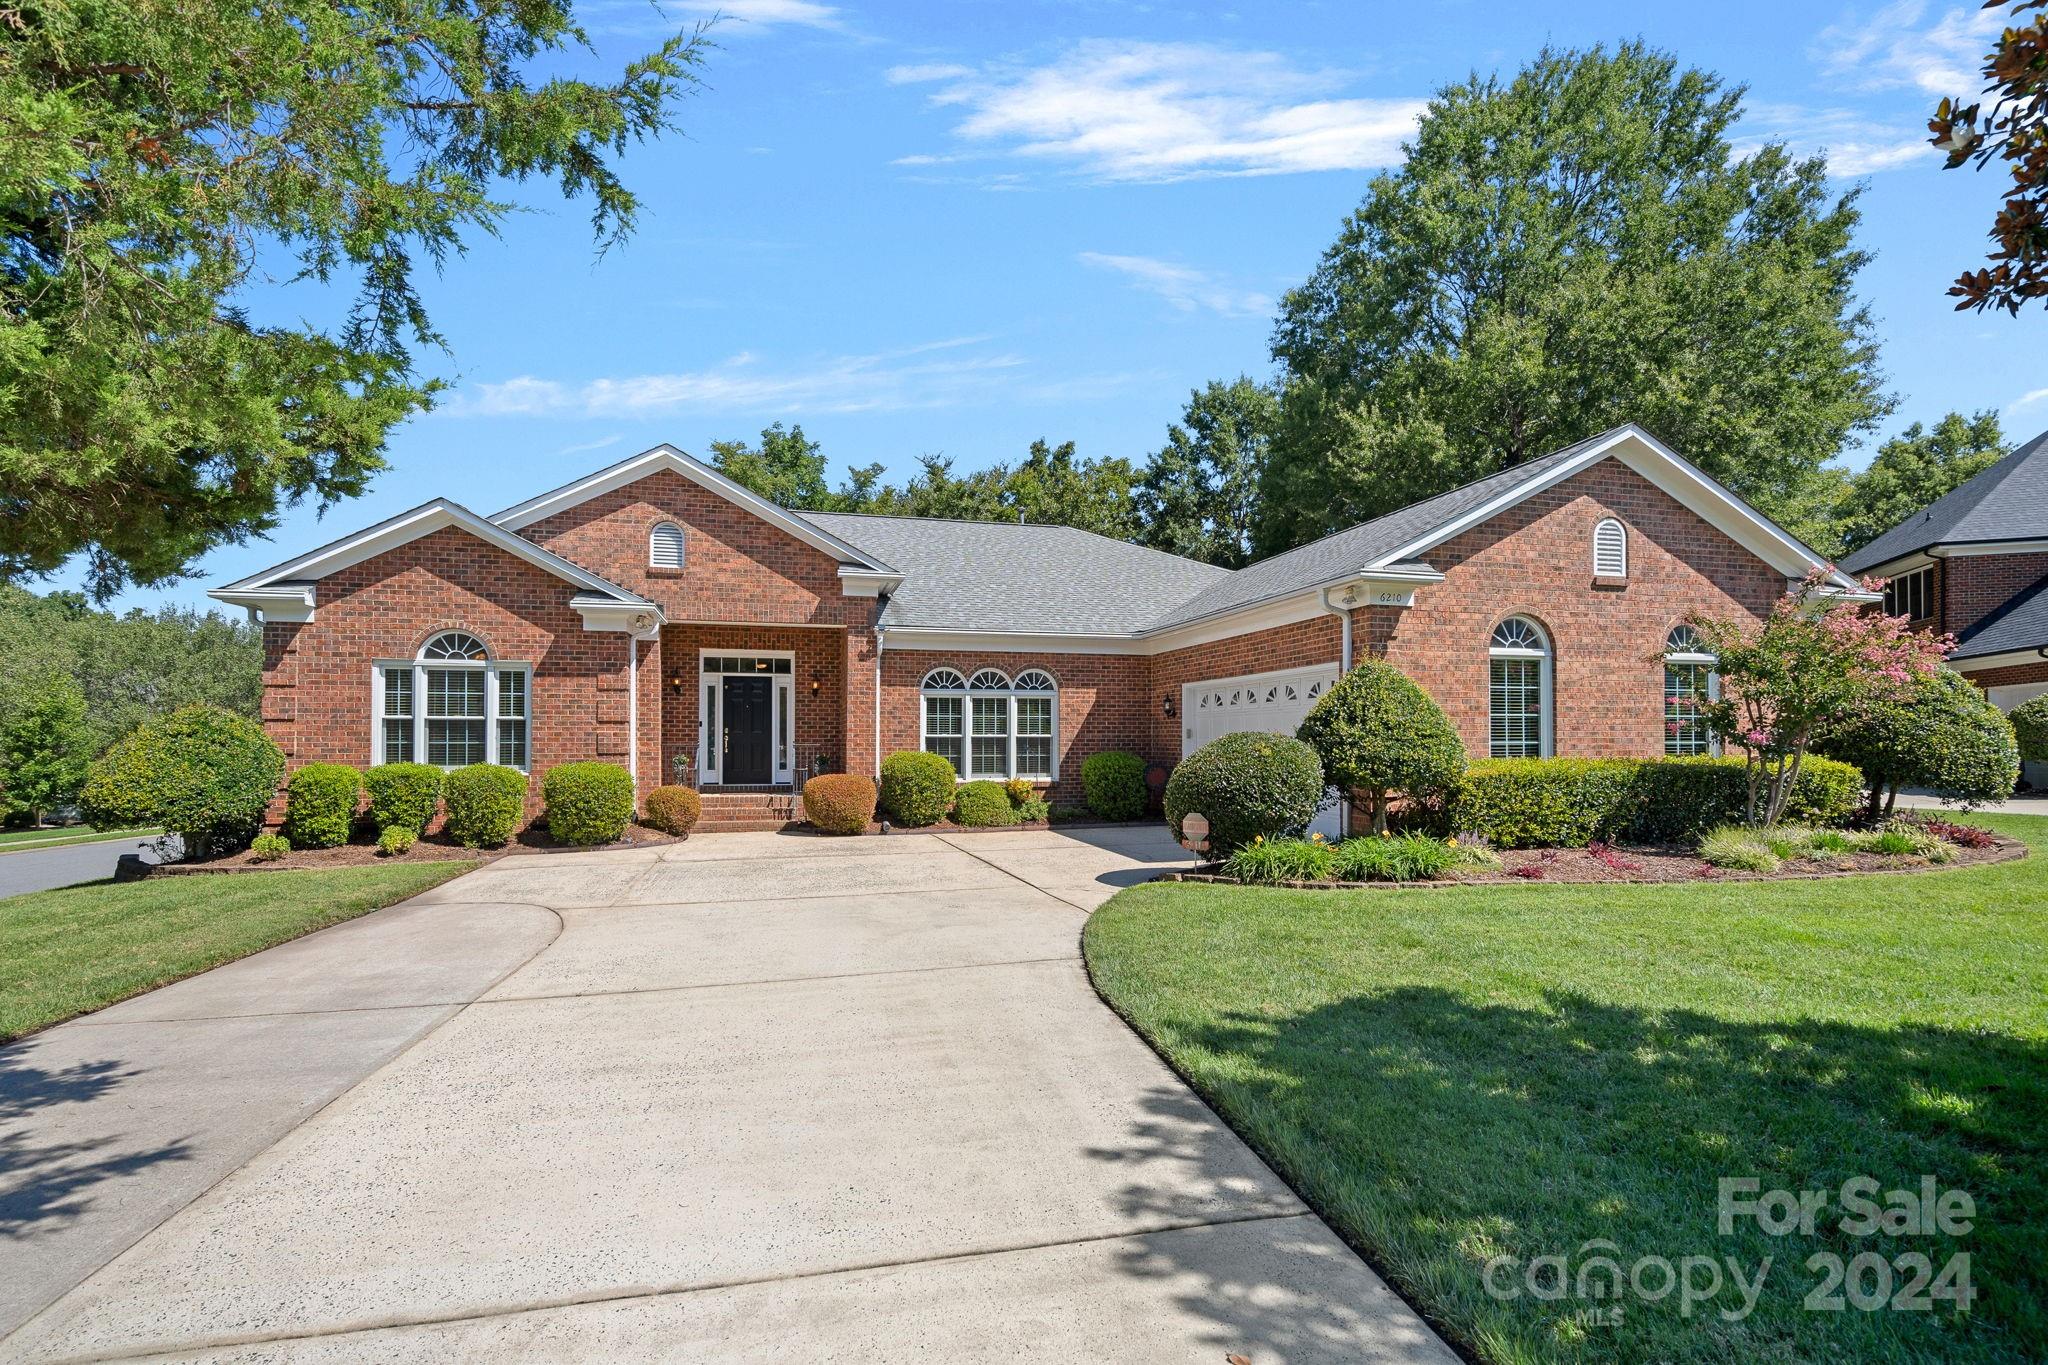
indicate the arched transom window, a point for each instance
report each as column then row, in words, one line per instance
column 991, row 725
column 1610, row 549
column 1689, row 679
column 665, row 546
column 451, row 705
column 1518, row 690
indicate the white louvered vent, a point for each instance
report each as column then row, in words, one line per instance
column 1610, row 549
column 665, row 546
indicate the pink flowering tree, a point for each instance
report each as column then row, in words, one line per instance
column 1808, row 660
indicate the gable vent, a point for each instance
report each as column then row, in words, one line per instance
column 665, row 546
column 1610, row 549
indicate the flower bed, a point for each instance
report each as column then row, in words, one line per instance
column 432, row 848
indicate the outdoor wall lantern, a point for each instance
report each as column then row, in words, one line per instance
column 815, row 684
column 675, row 686
column 1166, row 703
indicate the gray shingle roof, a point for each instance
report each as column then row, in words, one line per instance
column 2008, row 501
column 2020, row 624
column 1345, row 552
column 1029, row 579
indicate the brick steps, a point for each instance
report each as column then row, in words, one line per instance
column 736, row 812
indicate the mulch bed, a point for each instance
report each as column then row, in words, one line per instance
column 1642, row 865
column 432, row 848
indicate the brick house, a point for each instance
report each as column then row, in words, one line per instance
column 660, row 616
column 1975, row 564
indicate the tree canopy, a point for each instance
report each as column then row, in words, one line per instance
column 1562, row 252
column 1199, row 495
column 159, row 159
column 1910, row 471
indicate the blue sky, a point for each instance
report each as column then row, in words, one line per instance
column 958, row 227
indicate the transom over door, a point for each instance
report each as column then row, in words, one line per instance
column 1274, row 703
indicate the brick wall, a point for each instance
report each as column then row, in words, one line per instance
column 821, row 654
column 317, row 700
column 1974, row 586
column 2008, row 676
column 1296, row 645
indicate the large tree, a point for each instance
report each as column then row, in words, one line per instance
column 159, row 158
column 788, row 469
column 1910, row 471
column 2015, row 131
column 1199, row 496
column 1560, row 253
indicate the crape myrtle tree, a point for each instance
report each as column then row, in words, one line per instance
column 160, row 158
column 1808, row 662
column 1558, row 253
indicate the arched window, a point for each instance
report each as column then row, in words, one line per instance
column 990, row 726
column 1518, row 690
column 1610, row 549
column 665, row 546
column 1689, row 679
column 451, row 705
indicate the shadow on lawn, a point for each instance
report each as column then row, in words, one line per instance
column 45, row 1184
column 1438, row 1132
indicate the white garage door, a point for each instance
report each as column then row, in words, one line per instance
column 1271, row 702
column 2008, row 697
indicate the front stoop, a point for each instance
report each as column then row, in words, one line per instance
column 733, row 812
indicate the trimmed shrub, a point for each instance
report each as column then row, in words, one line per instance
column 587, row 803
column 1036, row 811
column 1408, row 858
column 1943, row 736
column 403, row 795
column 917, row 788
column 320, row 804
column 1570, row 802
column 1113, row 783
column 485, row 803
column 982, row 804
column 2030, row 725
column 1019, row 790
column 1281, row 860
column 396, row 842
column 840, row 803
column 1378, row 734
column 674, row 810
column 205, row 774
column 268, row 848
column 1250, row 786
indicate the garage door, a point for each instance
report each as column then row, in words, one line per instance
column 2008, row 697
column 1271, row 702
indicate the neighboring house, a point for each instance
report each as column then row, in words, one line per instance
column 1975, row 564
column 658, row 615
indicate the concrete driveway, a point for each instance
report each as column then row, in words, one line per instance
column 762, row 1097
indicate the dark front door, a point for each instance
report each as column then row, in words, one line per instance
column 749, row 734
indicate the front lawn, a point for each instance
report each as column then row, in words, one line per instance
column 1451, row 1076
column 13, row 839
column 84, row 947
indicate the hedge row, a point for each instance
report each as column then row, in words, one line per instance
column 1568, row 802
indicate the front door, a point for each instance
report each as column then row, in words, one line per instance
column 749, row 731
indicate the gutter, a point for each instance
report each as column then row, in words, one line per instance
column 1343, row 614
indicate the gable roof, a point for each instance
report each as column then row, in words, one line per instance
column 410, row 525
column 667, row 457
column 1018, row 578
column 2008, row 501
column 2020, row 624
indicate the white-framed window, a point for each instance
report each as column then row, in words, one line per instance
column 991, row 726
column 665, row 546
column 1911, row 595
column 1689, row 679
column 1610, row 549
column 452, row 705
column 1518, row 690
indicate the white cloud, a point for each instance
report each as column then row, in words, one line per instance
column 1893, row 49
column 1183, row 286
column 929, row 71
column 1855, row 143
column 1134, row 111
column 2027, row 400
column 932, row 375
column 581, row 447
column 764, row 12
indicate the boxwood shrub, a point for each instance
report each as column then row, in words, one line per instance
column 674, row 810
column 2030, row 726
column 203, row 773
column 403, row 795
column 1249, row 786
column 1113, row 783
column 485, row 803
column 839, row 803
column 320, row 805
column 1568, row 802
column 917, row 787
column 1379, row 735
column 587, row 803
column 980, row 804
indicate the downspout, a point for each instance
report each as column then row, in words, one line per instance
column 880, row 635
column 1343, row 615
column 633, row 712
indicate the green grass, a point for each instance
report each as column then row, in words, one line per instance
column 15, row 839
column 1453, row 1075
column 66, row 952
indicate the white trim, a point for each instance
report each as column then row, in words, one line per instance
column 1965, row 549
column 866, row 582
column 1546, row 670
column 660, row 555
column 781, row 702
column 418, row 667
column 1621, row 549
column 926, row 639
column 271, row 604
column 1009, row 694
column 667, row 457
column 2013, row 658
column 641, row 620
column 1903, row 564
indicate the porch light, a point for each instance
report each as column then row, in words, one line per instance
column 1166, row 703
column 815, row 684
column 675, row 686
